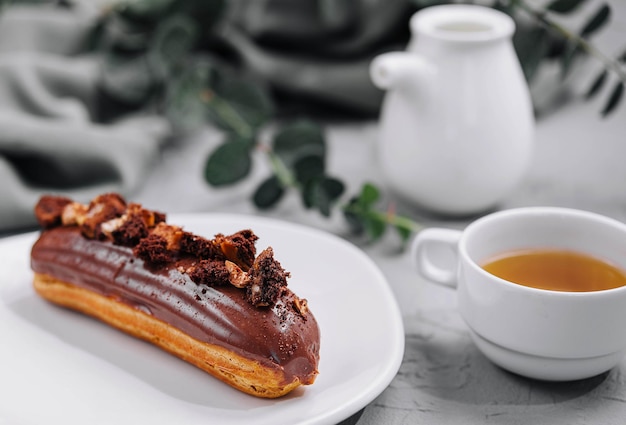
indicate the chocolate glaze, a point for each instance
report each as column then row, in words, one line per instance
column 277, row 335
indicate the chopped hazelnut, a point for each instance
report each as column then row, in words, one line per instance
column 74, row 214
column 102, row 208
column 301, row 305
column 237, row 277
column 110, row 226
column 49, row 210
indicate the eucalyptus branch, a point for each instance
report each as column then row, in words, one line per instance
column 542, row 16
column 579, row 42
column 363, row 215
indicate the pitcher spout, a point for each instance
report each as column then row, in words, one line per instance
column 400, row 70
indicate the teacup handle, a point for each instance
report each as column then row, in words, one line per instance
column 420, row 248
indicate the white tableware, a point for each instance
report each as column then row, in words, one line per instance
column 457, row 125
column 543, row 334
column 60, row 367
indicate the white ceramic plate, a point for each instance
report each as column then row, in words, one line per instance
column 59, row 367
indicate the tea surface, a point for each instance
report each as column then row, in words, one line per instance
column 557, row 270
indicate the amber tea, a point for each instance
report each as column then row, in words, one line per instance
column 557, row 270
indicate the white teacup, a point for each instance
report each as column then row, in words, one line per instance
column 538, row 333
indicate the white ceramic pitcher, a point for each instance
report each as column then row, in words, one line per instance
column 457, row 125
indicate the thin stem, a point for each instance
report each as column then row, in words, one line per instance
column 228, row 114
column 406, row 223
column 280, row 170
column 388, row 217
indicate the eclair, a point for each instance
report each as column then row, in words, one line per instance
column 213, row 302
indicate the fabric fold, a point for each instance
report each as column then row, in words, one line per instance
column 49, row 140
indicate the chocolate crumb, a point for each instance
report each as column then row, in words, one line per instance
column 153, row 249
column 49, row 210
column 209, row 273
column 199, row 247
column 172, row 235
column 239, row 247
column 130, row 232
column 159, row 217
column 268, row 280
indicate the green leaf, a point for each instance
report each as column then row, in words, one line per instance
column 299, row 139
column 354, row 221
column 238, row 105
column 173, row 40
column 205, row 12
column 404, row 232
column 360, row 206
column 127, row 78
column 183, row 104
column 597, row 21
column 334, row 188
column 614, row 99
column 375, row 227
column 321, row 193
column 506, row 7
column 268, row 193
column 532, row 48
column 564, row 6
column 598, row 83
column 229, row 163
column 121, row 35
column 369, row 195
column 308, row 167
column 571, row 52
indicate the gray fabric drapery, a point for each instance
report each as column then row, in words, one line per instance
column 49, row 142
